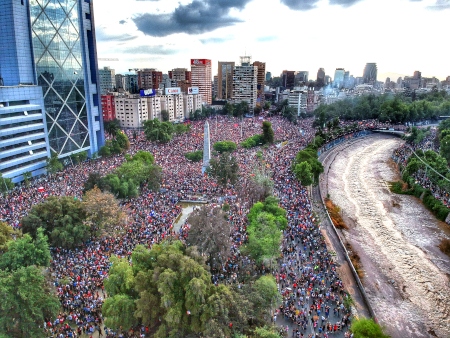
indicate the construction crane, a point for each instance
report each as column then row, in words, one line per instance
column 108, row 59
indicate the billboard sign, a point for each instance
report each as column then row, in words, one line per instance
column 192, row 90
column 200, row 62
column 173, row 91
column 148, row 92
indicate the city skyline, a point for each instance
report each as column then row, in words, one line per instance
column 286, row 34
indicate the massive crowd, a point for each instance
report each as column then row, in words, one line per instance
column 311, row 289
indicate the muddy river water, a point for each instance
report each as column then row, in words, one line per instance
column 406, row 276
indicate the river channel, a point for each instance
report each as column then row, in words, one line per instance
column 406, row 276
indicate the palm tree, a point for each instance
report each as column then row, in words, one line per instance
column 112, row 127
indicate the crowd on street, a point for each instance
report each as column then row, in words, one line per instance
column 307, row 278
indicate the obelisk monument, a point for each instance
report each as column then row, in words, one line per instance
column 206, row 148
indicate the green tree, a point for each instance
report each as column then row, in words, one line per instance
column 25, row 251
column 225, row 169
column 267, row 135
column 53, row 164
column 266, row 332
column 156, row 130
column 119, row 307
column 195, row 156
column 112, row 127
column 267, row 105
column 165, row 115
column 367, row 328
column 63, row 220
column 445, row 147
column 7, row 234
column 224, row 146
column 228, row 109
column 26, row 178
column 26, row 301
column 95, row 180
column 5, row 184
column 264, row 238
column 173, row 290
column 303, row 172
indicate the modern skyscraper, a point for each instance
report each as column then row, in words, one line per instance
column 288, row 79
column 301, row 77
column 107, row 80
column 201, row 78
column 225, row 80
column 131, row 83
column 64, row 48
column 339, row 75
column 260, row 80
column 23, row 129
column 370, row 73
column 320, row 77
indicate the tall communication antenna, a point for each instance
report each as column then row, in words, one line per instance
column 246, row 60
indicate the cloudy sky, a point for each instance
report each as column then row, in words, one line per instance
column 401, row 36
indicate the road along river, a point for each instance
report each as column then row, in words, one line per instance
column 406, row 276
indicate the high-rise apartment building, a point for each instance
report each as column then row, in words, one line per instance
column 339, row 77
column 149, row 78
column 320, row 80
column 120, row 81
column 245, row 83
column 132, row 111
column 107, row 78
column 225, row 80
column 260, row 79
column 65, row 57
column 108, row 108
column 201, row 78
column 370, row 74
column 180, row 74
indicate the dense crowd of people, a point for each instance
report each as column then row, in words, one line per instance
column 312, row 291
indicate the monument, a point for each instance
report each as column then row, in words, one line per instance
column 206, row 148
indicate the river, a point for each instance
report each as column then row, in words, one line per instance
column 406, row 275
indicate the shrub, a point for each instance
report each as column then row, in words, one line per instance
column 195, row 156
column 224, row 146
column 252, row 141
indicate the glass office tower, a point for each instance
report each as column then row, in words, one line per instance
column 63, row 40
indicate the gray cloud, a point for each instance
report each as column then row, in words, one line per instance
column 152, row 50
column 198, row 17
column 300, row 5
column 440, row 4
column 122, row 22
column 344, row 3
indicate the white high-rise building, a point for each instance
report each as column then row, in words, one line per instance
column 131, row 111
column 173, row 104
column 107, row 80
column 298, row 99
column 245, row 83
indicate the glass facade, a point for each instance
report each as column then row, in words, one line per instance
column 59, row 67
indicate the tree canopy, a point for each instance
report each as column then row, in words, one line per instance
column 224, row 168
column 62, row 219
column 25, row 251
column 367, row 328
column 224, row 146
column 169, row 289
